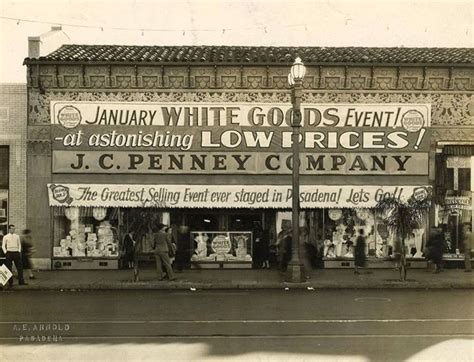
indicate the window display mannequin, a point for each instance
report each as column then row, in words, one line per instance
column 418, row 240
column 329, row 249
column 129, row 249
column 241, row 250
column 360, row 259
column 338, row 239
column 349, row 250
column 201, row 249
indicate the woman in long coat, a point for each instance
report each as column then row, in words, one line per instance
column 129, row 249
column 434, row 248
column 360, row 258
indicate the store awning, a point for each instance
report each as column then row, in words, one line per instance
column 225, row 196
column 459, row 150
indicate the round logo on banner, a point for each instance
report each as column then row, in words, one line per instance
column 335, row 214
column 61, row 194
column 413, row 121
column 221, row 244
column 420, row 193
column 69, row 117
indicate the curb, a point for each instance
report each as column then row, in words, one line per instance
column 190, row 286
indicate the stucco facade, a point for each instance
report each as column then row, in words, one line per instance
column 13, row 127
column 444, row 84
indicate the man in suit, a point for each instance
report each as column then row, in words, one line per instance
column 161, row 249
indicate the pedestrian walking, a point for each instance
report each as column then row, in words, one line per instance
column 171, row 244
column 468, row 241
column 262, row 246
column 360, row 258
column 129, row 249
column 11, row 246
column 257, row 237
column 319, row 252
column 307, row 251
column 27, row 251
column 284, row 248
column 161, row 250
column 434, row 248
column 265, row 249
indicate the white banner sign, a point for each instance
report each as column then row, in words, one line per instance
column 225, row 196
column 70, row 114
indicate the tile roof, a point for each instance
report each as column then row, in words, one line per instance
column 261, row 55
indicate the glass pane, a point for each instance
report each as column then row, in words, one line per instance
column 464, row 179
column 450, row 179
column 3, row 212
column 4, row 166
column 342, row 228
column 86, row 232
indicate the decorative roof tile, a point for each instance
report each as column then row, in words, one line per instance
column 261, row 55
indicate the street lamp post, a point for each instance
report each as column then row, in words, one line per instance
column 295, row 80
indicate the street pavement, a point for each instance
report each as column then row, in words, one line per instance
column 246, row 279
column 238, row 325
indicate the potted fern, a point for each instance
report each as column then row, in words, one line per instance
column 402, row 218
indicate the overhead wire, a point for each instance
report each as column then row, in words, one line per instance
column 142, row 30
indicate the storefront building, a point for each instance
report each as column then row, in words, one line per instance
column 12, row 158
column 199, row 138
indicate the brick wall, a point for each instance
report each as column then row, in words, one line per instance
column 13, row 134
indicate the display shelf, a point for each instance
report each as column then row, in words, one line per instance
column 84, row 263
column 221, row 265
column 372, row 263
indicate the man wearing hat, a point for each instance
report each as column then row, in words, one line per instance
column 160, row 246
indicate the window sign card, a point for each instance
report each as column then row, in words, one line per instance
column 218, row 246
column 5, row 274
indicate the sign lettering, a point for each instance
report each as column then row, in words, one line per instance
column 247, row 196
column 238, row 163
column 200, row 138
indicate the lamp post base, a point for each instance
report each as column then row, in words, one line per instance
column 295, row 273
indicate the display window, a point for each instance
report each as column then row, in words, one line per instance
column 212, row 238
column 334, row 233
column 452, row 216
column 340, row 230
column 86, row 232
column 455, row 208
column 3, row 212
column 4, row 185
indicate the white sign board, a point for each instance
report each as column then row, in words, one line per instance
column 5, row 274
column 71, row 114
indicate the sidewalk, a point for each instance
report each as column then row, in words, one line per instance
column 246, row 279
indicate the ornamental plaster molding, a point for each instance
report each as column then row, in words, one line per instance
column 36, row 148
column 464, row 134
